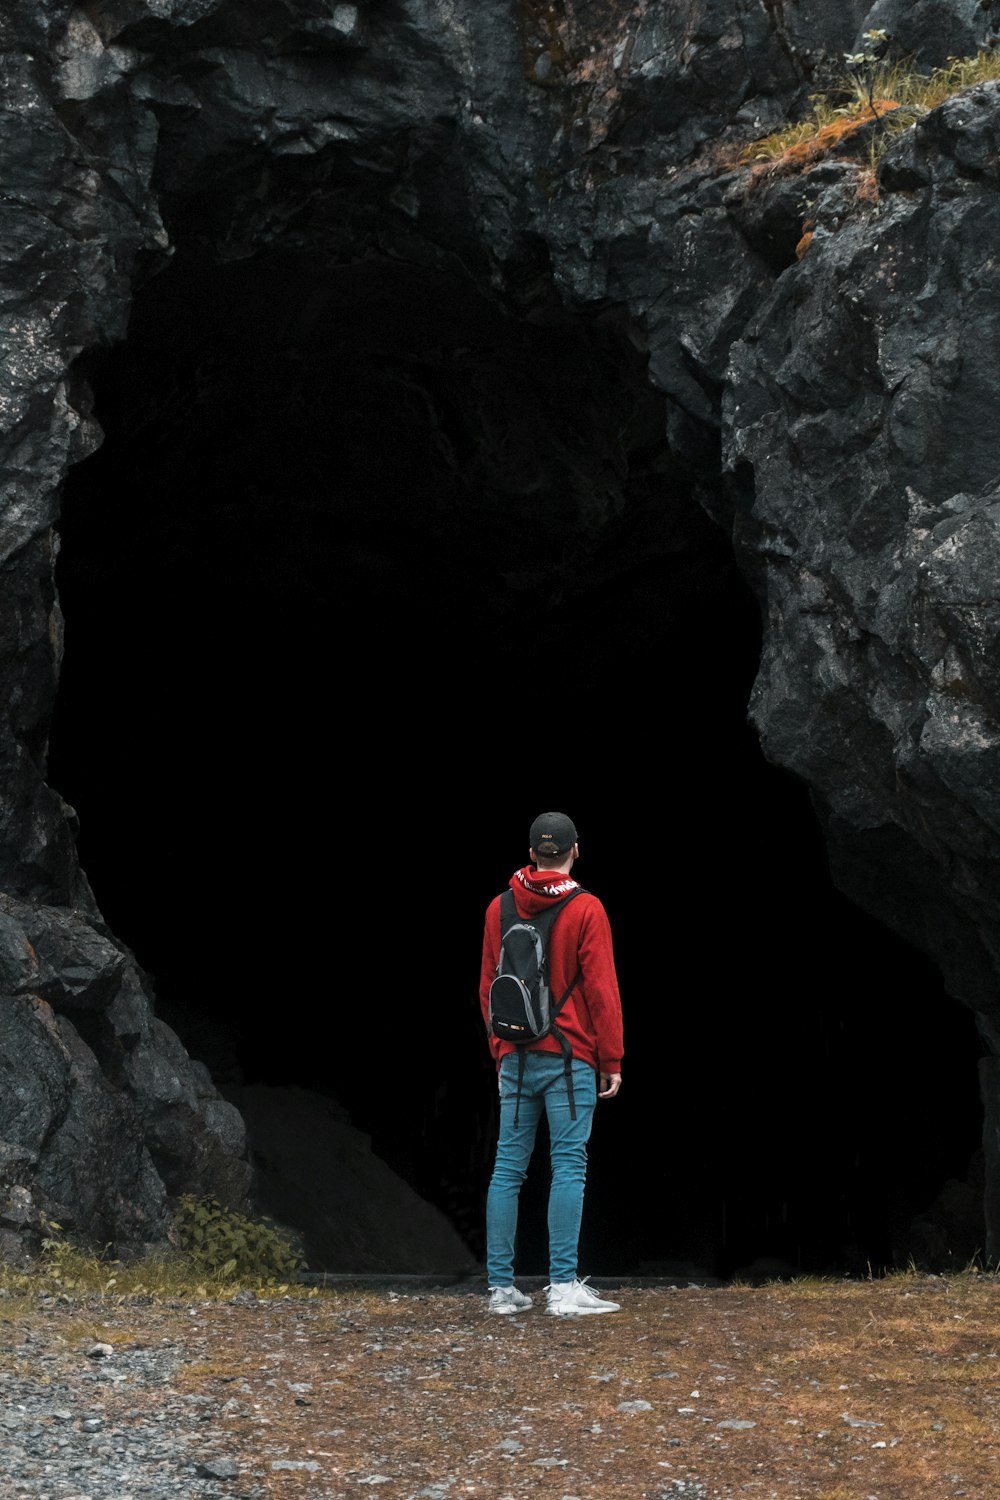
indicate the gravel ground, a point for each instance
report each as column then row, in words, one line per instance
column 85, row 1419
column 812, row 1391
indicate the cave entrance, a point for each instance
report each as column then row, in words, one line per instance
column 373, row 566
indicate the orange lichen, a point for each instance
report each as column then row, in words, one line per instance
column 824, row 139
column 807, row 237
column 867, row 188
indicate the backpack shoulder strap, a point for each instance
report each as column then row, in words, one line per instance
column 508, row 911
column 579, row 973
column 560, row 1036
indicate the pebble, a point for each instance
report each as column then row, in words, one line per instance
column 218, row 1468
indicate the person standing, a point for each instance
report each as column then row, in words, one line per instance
column 580, row 955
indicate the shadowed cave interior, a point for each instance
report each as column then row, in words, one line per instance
column 373, row 566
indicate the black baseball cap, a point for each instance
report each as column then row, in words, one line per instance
column 552, row 833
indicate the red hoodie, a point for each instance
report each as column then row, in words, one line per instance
column 591, row 1019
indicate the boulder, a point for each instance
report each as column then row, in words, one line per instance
column 316, row 1173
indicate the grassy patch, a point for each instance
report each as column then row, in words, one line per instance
column 899, row 95
column 216, row 1252
column 63, row 1273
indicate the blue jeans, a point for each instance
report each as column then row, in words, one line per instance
column 543, row 1088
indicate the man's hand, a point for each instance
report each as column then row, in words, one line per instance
column 610, row 1084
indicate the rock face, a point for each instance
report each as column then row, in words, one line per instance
column 565, row 157
column 867, row 500
column 103, row 1113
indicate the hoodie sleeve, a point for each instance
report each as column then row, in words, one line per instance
column 488, row 969
column 600, row 986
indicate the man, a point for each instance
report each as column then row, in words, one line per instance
column 579, row 954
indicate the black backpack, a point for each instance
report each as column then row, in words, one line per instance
column 520, row 1001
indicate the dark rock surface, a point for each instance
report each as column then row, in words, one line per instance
column 552, row 160
column 316, row 1172
column 99, row 1093
column 858, row 420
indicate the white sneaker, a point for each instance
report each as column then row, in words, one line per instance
column 572, row 1299
column 507, row 1299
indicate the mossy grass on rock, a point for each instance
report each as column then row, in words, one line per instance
column 893, row 97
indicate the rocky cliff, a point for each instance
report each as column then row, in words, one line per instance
column 831, row 408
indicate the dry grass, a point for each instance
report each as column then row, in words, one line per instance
column 853, row 1389
column 900, row 95
column 63, row 1271
column 799, row 146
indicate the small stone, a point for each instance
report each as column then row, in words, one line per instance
column 736, row 1424
column 550, row 1463
column 310, row 1465
column 62, row 1415
column 345, row 18
column 100, row 1351
column 857, row 1421
column 635, row 1406
column 510, row 1445
column 217, row 1468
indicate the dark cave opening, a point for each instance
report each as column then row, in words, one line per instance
column 369, row 570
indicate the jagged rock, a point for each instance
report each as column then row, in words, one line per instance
column 871, row 527
column 689, row 72
column 118, row 1071
column 75, row 1143
column 932, row 31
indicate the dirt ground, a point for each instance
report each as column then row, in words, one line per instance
column 820, row 1389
